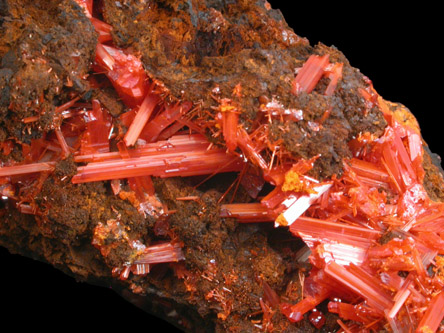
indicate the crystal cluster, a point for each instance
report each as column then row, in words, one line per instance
column 372, row 235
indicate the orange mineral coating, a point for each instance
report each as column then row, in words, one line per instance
column 374, row 235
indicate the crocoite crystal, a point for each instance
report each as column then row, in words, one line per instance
column 372, row 235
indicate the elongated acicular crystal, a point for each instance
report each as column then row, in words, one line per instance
column 161, row 121
column 95, row 138
column 103, row 29
column 341, row 221
column 317, row 287
column 397, row 161
column 400, row 297
column 362, row 285
column 155, row 254
column 141, row 118
column 359, row 312
column 62, row 142
column 247, row 212
column 369, row 170
column 171, row 130
column 301, row 204
column 175, row 144
column 26, row 169
column 404, row 156
column 250, row 150
column 430, row 220
column 66, row 105
column 142, row 185
column 104, row 59
column 334, row 231
column 274, row 198
column 415, row 150
column 270, row 296
column 310, row 74
column 433, row 315
column 27, row 209
column 230, row 119
column 296, row 312
column 191, row 163
column 125, row 72
column 334, row 73
column 335, row 241
column 140, row 269
column 432, row 240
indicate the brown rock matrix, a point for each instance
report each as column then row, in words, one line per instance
column 215, row 168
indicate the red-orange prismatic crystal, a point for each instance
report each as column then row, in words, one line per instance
column 344, row 221
column 344, row 224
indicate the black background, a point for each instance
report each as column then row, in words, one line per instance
column 396, row 48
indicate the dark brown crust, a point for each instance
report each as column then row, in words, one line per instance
column 64, row 237
column 434, row 175
column 46, row 47
column 193, row 47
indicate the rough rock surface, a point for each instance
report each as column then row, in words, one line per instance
column 192, row 47
column 45, row 46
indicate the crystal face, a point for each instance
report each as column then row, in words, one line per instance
column 372, row 234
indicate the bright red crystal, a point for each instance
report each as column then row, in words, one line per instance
column 172, row 130
column 95, row 138
column 314, row 295
column 295, row 206
column 169, row 163
column 165, row 252
column 340, row 242
column 372, row 235
column 359, row 312
column 230, row 119
column 125, row 72
column 87, row 5
column 400, row 297
column 104, row 59
column 274, row 198
column 143, row 114
column 296, row 312
column 103, row 29
column 248, row 212
column 361, row 283
column 26, row 168
column 176, row 144
column 310, row 73
column 317, row 319
column 143, row 188
column 62, row 142
column 144, row 255
column 66, row 106
column 167, row 117
column 433, row 316
column 250, row 149
column 342, row 221
column 334, row 73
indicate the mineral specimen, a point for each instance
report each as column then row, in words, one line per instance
column 214, row 168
